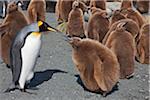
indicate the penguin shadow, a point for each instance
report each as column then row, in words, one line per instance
column 79, row 81
column 42, row 76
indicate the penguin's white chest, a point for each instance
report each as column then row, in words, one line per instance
column 29, row 54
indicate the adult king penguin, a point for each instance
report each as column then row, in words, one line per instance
column 24, row 53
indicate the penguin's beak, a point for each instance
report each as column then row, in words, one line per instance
column 52, row 29
column 68, row 39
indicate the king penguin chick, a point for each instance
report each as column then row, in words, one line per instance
column 121, row 42
column 125, row 4
column 98, row 24
column 97, row 65
column 75, row 25
column 98, row 4
column 130, row 26
column 24, row 53
column 37, row 10
column 14, row 21
column 143, row 50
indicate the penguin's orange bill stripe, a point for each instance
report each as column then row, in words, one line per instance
column 36, row 33
column 40, row 23
column 51, row 29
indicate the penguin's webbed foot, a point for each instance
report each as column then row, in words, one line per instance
column 24, row 90
column 9, row 90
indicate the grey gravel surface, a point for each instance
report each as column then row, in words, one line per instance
column 55, row 76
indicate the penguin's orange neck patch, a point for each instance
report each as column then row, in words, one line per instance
column 36, row 33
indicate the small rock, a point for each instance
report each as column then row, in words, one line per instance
column 137, row 76
column 50, row 56
column 141, row 91
column 146, row 98
column 47, row 98
column 146, row 76
column 143, row 80
column 13, row 98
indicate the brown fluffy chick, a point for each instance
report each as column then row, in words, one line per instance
column 143, row 52
column 97, row 65
column 14, row 21
column 63, row 8
column 98, row 25
column 36, row 10
column 130, row 26
column 116, row 16
column 121, row 42
column 75, row 25
column 98, row 4
column 143, row 6
column 134, row 15
column 125, row 4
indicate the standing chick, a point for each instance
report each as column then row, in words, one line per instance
column 14, row 21
column 134, row 15
column 143, row 6
column 63, row 8
column 36, row 10
column 98, row 25
column 116, row 16
column 97, row 65
column 143, row 52
column 122, row 44
column 130, row 26
column 75, row 25
column 125, row 4
column 98, row 4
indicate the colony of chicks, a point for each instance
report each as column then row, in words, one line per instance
column 104, row 48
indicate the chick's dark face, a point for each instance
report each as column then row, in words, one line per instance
column 43, row 27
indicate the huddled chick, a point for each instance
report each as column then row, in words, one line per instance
column 143, row 55
column 98, row 24
column 121, row 42
column 97, row 65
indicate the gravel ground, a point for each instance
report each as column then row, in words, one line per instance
column 56, row 76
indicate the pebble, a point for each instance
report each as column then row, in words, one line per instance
column 144, row 80
column 146, row 76
column 141, row 91
column 146, row 98
column 47, row 98
column 137, row 76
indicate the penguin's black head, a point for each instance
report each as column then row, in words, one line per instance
column 43, row 27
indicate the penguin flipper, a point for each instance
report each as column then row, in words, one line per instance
column 16, row 60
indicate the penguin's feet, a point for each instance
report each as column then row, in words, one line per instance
column 1, row 60
column 104, row 94
column 130, row 76
column 24, row 90
column 9, row 90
